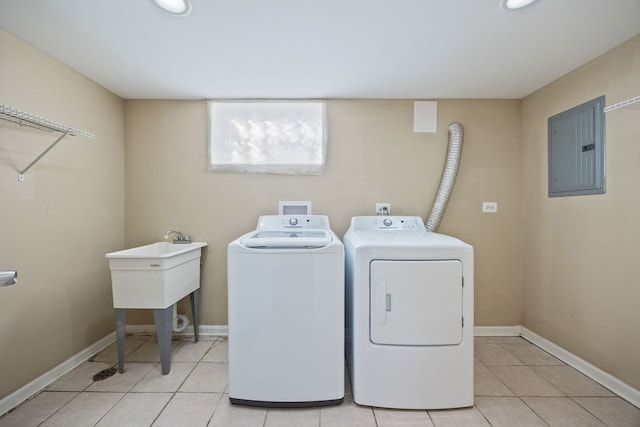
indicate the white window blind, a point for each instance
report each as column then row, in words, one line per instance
column 283, row 137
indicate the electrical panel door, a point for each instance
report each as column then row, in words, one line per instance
column 576, row 150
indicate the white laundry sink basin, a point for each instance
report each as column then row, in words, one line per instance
column 156, row 275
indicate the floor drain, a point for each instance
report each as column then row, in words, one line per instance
column 104, row 374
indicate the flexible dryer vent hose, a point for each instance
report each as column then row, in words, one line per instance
column 448, row 177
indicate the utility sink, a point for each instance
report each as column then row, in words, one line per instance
column 156, row 275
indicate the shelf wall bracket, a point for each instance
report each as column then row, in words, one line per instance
column 23, row 118
column 23, row 171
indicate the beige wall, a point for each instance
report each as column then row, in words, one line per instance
column 69, row 212
column 581, row 254
column 373, row 156
column 566, row 268
column 57, row 225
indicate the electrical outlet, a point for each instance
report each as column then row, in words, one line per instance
column 490, row 207
column 383, row 208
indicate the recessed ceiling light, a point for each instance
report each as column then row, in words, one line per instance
column 176, row 7
column 516, row 4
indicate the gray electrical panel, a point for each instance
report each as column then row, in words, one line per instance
column 576, row 150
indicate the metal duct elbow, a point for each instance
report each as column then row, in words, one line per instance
column 8, row 277
column 448, row 177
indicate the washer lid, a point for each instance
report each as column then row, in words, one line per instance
column 294, row 238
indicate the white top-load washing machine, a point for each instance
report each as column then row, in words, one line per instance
column 286, row 313
column 409, row 313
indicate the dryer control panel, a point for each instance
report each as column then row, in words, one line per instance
column 409, row 223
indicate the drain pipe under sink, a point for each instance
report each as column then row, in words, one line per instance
column 180, row 321
column 456, row 133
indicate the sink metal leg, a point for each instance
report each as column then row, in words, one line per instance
column 195, row 312
column 121, row 324
column 164, row 326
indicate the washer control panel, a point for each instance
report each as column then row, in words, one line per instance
column 279, row 222
column 410, row 223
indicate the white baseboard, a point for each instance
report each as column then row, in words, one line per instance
column 25, row 392
column 210, row 330
column 620, row 388
column 217, row 330
column 497, row 331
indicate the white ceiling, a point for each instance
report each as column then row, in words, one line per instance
column 323, row 48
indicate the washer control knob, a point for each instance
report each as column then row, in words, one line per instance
column 293, row 221
column 387, row 222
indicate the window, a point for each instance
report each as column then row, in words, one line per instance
column 283, row 137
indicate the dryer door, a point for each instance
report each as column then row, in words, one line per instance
column 416, row 302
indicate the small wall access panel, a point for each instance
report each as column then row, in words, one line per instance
column 576, row 150
column 425, row 116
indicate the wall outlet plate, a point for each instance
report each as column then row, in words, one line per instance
column 383, row 208
column 490, row 207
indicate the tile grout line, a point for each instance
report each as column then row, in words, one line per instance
column 59, row 409
column 129, row 390
column 214, row 409
column 591, row 413
column 533, row 410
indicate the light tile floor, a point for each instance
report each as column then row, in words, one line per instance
column 516, row 384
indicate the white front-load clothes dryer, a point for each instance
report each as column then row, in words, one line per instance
column 286, row 313
column 409, row 315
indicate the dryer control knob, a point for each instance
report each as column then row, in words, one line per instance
column 293, row 221
column 387, row 222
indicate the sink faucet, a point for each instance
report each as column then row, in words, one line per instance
column 180, row 238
